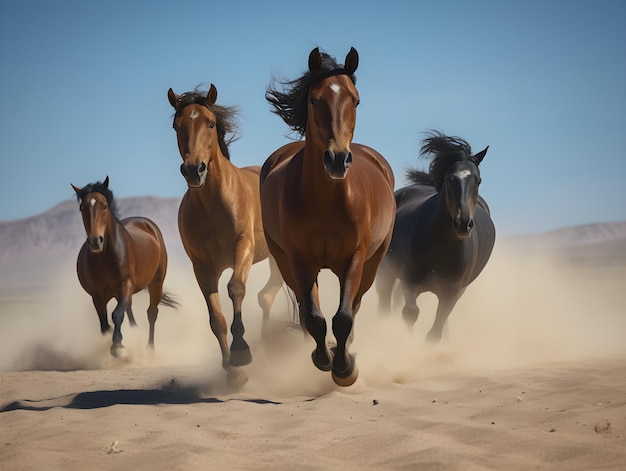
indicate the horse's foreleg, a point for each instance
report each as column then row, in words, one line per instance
column 208, row 282
column 101, row 309
column 268, row 294
column 353, row 285
column 126, row 290
column 410, row 311
column 385, row 281
column 444, row 308
column 239, row 349
column 129, row 312
column 313, row 319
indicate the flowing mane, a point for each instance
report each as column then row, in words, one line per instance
column 225, row 117
column 99, row 187
column 291, row 103
column 445, row 150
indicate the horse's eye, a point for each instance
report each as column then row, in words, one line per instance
column 106, row 206
column 312, row 101
column 211, row 125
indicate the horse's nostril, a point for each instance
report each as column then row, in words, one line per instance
column 470, row 224
column 202, row 168
column 349, row 159
column 101, row 239
column 183, row 170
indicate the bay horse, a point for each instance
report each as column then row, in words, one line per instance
column 327, row 203
column 118, row 259
column 443, row 235
column 219, row 218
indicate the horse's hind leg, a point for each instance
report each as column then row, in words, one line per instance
column 268, row 294
column 156, row 292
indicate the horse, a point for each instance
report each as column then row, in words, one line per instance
column 219, row 218
column 326, row 203
column 119, row 258
column 443, row 235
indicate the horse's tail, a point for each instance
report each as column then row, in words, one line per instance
column 169, row 300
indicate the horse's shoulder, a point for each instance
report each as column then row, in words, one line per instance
column 375, row 157
column 279, row 157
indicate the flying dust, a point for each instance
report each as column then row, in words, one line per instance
column 523, row 310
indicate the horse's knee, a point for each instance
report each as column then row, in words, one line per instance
column 410, row 313
column 236, row 289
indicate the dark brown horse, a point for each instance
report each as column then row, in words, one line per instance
column 219, row 218
column 118, row 259
column 443, row 235
column 327, row 203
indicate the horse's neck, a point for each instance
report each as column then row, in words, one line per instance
column 440, row 222
column 314, row 179
column 219, row 180
column 115, row 240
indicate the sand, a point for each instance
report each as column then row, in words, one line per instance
column 531, row 375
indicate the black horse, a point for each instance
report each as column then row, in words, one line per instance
column 443, row 234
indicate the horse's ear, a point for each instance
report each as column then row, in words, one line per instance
column 315, row 60
column 478, row 158
column 352, row 61
column 172, row 97
column 106, row 182
column 212, row 95
column 76, row 189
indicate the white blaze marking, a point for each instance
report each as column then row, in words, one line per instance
column 194, row 114
column 335, row 88
column 92, row 202
column 463, row 174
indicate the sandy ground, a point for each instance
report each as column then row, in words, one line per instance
column 531, row 375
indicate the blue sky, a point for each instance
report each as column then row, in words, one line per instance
column 83, row 87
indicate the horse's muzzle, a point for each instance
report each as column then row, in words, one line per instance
column 463, row 229
column 336, row 164
column 195, row 175
column 95, row 244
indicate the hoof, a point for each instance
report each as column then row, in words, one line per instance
column 236, row 379
column 118, row 350
column 320, row 364
column 240, row 357
column 348, row 377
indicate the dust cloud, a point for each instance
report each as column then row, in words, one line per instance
column 523, row 310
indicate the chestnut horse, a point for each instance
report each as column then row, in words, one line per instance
column 327, row 203
column 219, row 218
column 118, row 259
column 443, row 236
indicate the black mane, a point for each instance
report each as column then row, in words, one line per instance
column 225, row 117
column 99, row 187
column 291, row 103
column 445, row 150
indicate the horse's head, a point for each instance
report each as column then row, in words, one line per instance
column 95, row 207
column 200, row 127
column 460, row 186
column 331, row 113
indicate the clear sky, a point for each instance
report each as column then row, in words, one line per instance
column 83, row 92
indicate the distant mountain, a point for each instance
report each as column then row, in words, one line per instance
column 31, row 248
